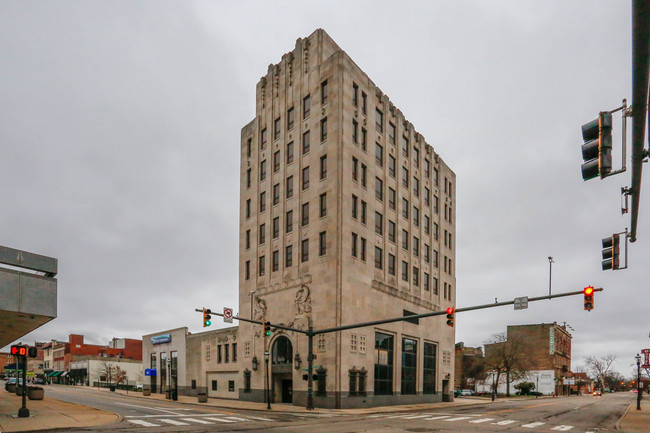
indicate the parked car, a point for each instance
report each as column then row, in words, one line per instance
column 467, row 392
column 38, row 381
column 12, row 381
column 598, row 393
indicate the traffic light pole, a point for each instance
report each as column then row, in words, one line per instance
column 23, row 412
column 311, row 332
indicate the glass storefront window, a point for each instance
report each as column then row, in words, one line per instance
column 409, row 365
column 383, row 364
column 429, row 370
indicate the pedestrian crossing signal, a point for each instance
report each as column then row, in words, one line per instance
column 206, row 317
column 18, row 350
column 451, row 316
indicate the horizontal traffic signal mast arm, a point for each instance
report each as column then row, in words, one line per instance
column 259, row 322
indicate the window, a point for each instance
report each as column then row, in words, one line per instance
column 416, row 276
column 405, row 208
column 234, row 352
column 429, row 369
column 289, row 187
column 305, row 178
column 435, row 286
column 364, row 205
column 409, row 365
column 322, row 243
column 289, row 222
column 383, row 364
column 263, row 170
column 275, row 261
column 435, row 231
column 405, row 271
column 379, row 223
column 427, row 253
column 354, row 244
column 261, row 265
column 379, row 120
column 391, row 198
column 288, row 256
column 391, row 231
column 435, row 259
column 405, row 177
column 214, row 385
column 263, row 138
column 355, row 131
column 248, row 208
column 276, row 194
column 425, row 280
column 427, row 167
column 355, row 94
column 416, row 156
column 379, row 189
column 248, row 239
column 262, row 201
column 276, row 227
column 435, row 204
column 323, row 92
column 416, row 216
column 427, row 196
column 289, row 153
column 304, row 250
column 391, row 133
column 323, row 205
column 435, row 176
column 219, row 359
column 364, row 172
column 262, row 234
column 427, row 225
column 416, row 246
column 323, row 167
column 323, row 129
column 306, row 142
column 276, row 161
column 379, row 258
column 416, row 186
column 355, row 169
column 306, row 102
column 405, row 239
column 276, row 128
column 379, row 154
column 290, row 118
column 355, row 199
column 364, row 100
column 391, row 264
column 248, row 178
column 363, row 249
column 364, row 139
column 193, row 384
column 247, row 270
column 304, row 216
column 405, row 146
column 231, row 386
column 391, row 166
column 249, row 147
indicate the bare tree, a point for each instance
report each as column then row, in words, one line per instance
column 506, row 356
column 599, row 367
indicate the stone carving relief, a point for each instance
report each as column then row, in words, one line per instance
column 303, row 300
column 260, row 308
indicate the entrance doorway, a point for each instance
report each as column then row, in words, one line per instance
column 287, row 391
column 282, row 370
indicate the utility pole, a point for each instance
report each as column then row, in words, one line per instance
column 639, row 390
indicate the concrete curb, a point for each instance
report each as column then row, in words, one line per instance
column 618, row 423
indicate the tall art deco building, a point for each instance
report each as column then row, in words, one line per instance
column 347, row 216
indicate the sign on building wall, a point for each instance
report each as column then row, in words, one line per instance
column 551, row 340
column 164, row 338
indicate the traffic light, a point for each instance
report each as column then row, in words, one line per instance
column 451, row 313
column 32, row 352
column 611, row 252
column 207, row 317
column 597, row 147
column 589, row 298
column 18, row 350
column 267, row 328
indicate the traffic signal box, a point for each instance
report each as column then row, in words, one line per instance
column 206, row 317
column 451, row 316
column 19, row 350
column 589, row 298
column 267, row 328
column 597, row 147
column 611, row 252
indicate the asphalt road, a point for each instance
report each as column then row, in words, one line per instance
column 583, row 414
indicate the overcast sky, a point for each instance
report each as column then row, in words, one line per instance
column 119, row 150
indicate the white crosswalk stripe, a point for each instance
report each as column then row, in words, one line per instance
column 459, row 418
column 143, row 423
column 172, row 421
column 563, row 428
column 505, row 422
column 218, row 419
column 438, row 417
column 234, row 418
column 259, row 418
column 533, row 424
column 478, row 421
column 416, row 416
column 198, row 420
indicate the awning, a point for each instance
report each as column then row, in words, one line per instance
column 65, row 373
column 54, row 374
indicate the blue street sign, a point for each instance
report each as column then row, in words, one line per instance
column 149, row 371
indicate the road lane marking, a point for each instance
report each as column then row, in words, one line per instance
column 416, row 417
column 235, row 418
column 200, row 421
column 260, row 418
column 460, row 418
column 437, row 417
column 148, row 408
column 143, row 423
column 219, row 419
column 477, row 421
column 172, row 421
column 563, row 427
column 533, row 424
column 505, row 422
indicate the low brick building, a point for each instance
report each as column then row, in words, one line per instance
column 468, row 364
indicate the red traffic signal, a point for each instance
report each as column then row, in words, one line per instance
column 589, row 298
column 451, row 313
column 18, row 350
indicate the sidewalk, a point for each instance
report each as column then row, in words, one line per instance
column 636, row 421
column 48, row 414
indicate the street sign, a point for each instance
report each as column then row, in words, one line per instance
column 521, row 303
column 149, row 371
column 313, row 368
column 227, row 315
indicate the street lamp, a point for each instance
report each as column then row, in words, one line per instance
column 268, row 385
column 255, row 363
column 638, row 381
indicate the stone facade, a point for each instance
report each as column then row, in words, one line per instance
column 347, row 215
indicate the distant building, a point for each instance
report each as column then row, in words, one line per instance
column 468, row 366
column 6, row 358
column 547, row 349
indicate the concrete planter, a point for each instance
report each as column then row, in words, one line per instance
column 146, row 391
column 35, row 393
column 203, row 397
column 11, row 387
column 19, row 390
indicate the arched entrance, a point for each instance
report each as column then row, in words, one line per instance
column 281, row 373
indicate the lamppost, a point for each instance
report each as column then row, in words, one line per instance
column 638, row 381
column 268, row 385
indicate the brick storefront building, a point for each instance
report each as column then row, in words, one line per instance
column 469, row 362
